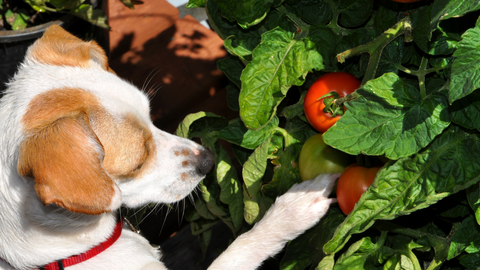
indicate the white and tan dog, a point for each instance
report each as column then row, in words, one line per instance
column 77, row 142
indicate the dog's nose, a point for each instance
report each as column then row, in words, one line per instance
column 207, row 161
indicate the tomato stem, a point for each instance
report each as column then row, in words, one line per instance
column 302, row 27
column 375, row 47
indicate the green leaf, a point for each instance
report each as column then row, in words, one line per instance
column 200, row 124
column 313, row 12
column 465, row 76
column 473, row 197
column 283, row 62
column 389, row 118
column 466, row 111
column 325, row 43
column 233, row 92
column 18, row 20
column 286, row 173
column 237, row 133
column 220, row 25
column 247, row 12
column 426, row 19
column 254, row 168
column 242, row 44
column 230, row 189
column 196, row 3
column 326, row 263
column 93, row 16
column 354, row 12
column 446, row 166
column 360, row 255
column 467, row 232
column 470, row 261
column 232, row 68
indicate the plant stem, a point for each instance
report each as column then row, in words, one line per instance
column 375, row 48
column 302, row 27
column 421, row 77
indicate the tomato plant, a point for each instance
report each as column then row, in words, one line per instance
column 353, row 182
column 417, row 107
column 317, row 114
column 316, row 158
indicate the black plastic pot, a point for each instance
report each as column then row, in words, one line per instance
column 14, row 44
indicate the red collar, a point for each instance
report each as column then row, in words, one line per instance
column 75, row 259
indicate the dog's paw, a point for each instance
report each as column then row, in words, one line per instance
column 302, row 206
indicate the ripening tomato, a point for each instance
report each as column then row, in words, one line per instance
column 316, row 158
column 353, row 182
column 340, row 82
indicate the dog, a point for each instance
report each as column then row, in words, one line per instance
column 77, row 142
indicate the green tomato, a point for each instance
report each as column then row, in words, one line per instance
column 316, row 158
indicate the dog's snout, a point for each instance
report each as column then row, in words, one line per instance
column 206, row 161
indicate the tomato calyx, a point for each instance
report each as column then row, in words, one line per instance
column 331, row 106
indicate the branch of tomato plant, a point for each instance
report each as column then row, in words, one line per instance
column 333, row 24
column 375, row 47
column 421, row 73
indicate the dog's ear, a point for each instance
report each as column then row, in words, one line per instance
column 60, row 48
column 64, row 157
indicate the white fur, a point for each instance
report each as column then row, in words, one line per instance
column 33, row 234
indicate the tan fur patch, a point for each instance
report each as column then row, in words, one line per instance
column 60, row 48
column 73, row 145
column 64, row 158
column 128, row 144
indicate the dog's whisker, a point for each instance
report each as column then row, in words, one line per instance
column 150, row 77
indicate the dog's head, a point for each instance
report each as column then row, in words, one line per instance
column 87, row 139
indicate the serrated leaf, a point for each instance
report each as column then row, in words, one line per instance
column 247, row 12
column 242, row 44
column 466, row 111
column 200, row 124
column 358, row 256
column 237, row 133
column 426, row 19
column 220, row 25
column 254, row 168
column 232, row 68
column 278, row 62
column 465, row 77
column 467, row 232
column 389, row 118
column 446, row 166
column 230, row 189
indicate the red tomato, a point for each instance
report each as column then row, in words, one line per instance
column 341, row 82
column 353, row 182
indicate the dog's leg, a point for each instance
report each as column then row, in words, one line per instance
column 292, row 213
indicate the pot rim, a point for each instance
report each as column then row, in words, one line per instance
column 8, row 36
